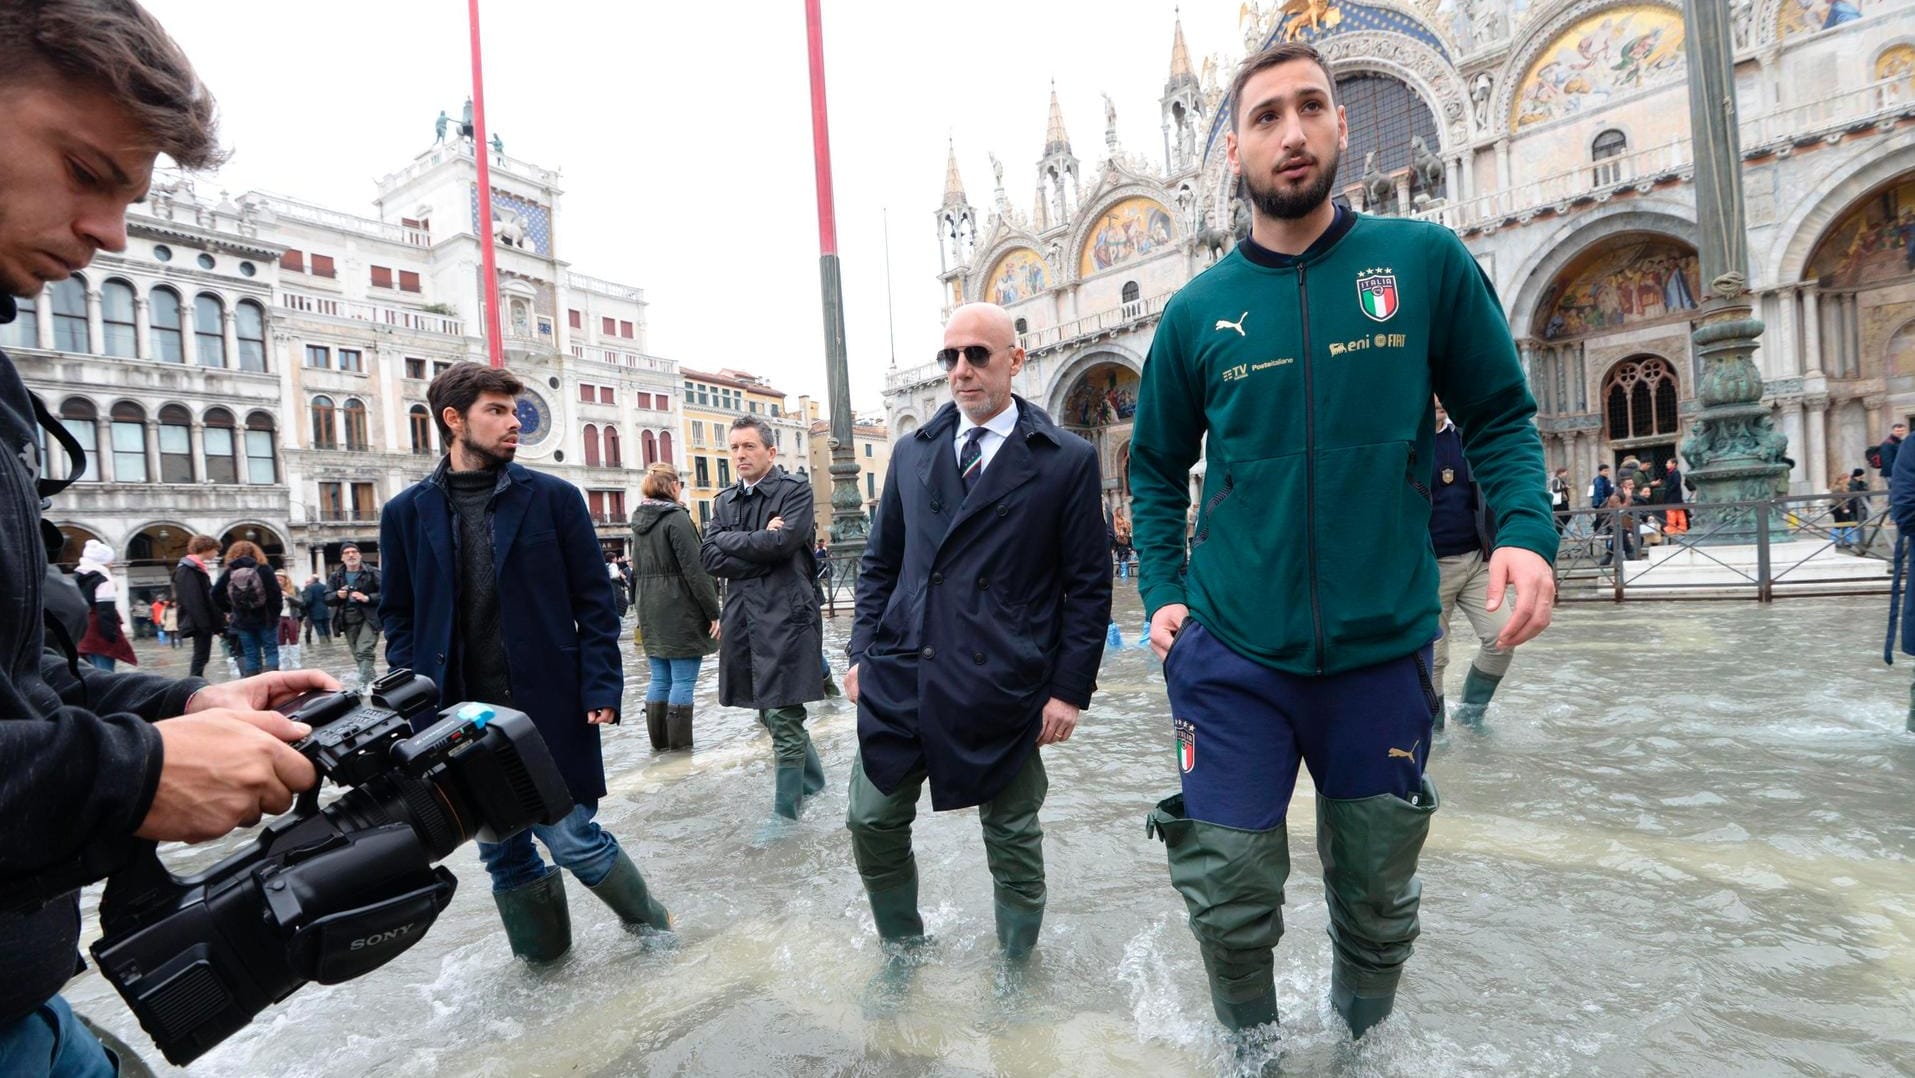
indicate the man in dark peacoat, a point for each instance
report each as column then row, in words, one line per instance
column 495, row 588
column 771, row 637
column 981, row 615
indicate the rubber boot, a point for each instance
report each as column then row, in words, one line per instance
column 537, row 922
column 1232, row 883
column 831, row 686
column 1911, row 709
column 1017, row 928
column 902, row 943
column 678, row 726
column 895, row 911
column 1442, row 711
column 789, row 791
column 624, row 890
column 1369, row 847
column 814, row 771
column 1478, row 687
column 655, row 724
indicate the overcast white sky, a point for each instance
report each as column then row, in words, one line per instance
column 684, row 134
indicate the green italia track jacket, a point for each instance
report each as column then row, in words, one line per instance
column 1312, row 551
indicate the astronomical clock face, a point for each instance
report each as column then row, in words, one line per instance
column 535, row 419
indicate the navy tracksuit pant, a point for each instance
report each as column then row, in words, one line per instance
column 1242, row 729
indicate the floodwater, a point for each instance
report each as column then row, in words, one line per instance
column 1680, row 845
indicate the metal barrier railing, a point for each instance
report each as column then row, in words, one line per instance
column 1787, row 545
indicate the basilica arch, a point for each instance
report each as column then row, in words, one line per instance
column 1095, row 396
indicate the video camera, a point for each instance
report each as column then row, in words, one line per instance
column 327, row 894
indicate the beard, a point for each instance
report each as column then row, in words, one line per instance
column 493, row 456
column 1288, row 205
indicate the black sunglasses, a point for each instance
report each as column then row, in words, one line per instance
column 976, row 354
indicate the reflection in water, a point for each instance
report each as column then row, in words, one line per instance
column 1681, row 845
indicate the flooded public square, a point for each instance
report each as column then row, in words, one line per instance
column 1681, row 845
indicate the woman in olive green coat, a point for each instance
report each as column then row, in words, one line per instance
column 677, row 606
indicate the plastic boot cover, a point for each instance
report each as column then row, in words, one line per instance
column 1369, row 847
column 537, row 922
column 1232, row 883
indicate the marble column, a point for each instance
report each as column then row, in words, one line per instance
column 197, row 438
column 1790, row 416
column 152, row 450
column 43, row 321
column 1812, row 330
column 1852, row 335
column 142, row 329
column 229, row 329
column 95, row 330
column 1818, row 442
column 102, row 464
column 1785, row 344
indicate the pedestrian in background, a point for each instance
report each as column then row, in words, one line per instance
column 355, row 602
column 105, row 641
column 678, row 611
column 170, row 622
column 248, row 593
column 318, row 610
column 199, row 619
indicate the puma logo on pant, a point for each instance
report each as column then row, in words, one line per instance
column 1409, row 754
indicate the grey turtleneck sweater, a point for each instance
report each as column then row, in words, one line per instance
column 482, row 664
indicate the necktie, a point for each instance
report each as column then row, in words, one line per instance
column 971, row 458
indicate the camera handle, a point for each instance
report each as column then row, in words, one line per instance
column 134, row 887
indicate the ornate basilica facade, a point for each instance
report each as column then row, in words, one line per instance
column 1554, row 138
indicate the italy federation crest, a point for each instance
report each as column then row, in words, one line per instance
column 1186, row 745
column 1376, row 294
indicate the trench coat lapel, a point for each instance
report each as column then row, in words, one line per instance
column 508, row 512
column 435, row 518
column 1011, row 467
column 938, row 472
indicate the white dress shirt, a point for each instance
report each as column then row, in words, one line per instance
column 998, row 429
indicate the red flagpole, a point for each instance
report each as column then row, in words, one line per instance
column 493, row 338
column 820, row 130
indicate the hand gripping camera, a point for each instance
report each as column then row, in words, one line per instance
column 326, row 894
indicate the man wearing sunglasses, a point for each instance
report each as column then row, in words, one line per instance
column 982, row 603
column 1308, row 356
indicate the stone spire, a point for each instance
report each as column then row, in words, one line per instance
column 953, row 183
column 1180, row 71
column 1055, row 138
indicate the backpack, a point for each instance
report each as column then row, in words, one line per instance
column 246, row 589
column 1874, row 457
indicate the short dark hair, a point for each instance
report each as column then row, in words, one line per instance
column 1602, row 467
column 755, row 423
column 118, row 49
column 459, row 385
column 1283, row 53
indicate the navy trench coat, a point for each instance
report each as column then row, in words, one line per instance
column 973, row 612
column 555, row 601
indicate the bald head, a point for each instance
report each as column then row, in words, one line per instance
column 989, row 319
column 982, row 386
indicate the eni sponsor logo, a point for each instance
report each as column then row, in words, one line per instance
column 1245, row 370
column 1364, row 344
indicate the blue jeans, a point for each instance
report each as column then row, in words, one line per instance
column 673, row 680
column 576, row 843
column 259, row 649
column 51, row 1043
column 101, row 662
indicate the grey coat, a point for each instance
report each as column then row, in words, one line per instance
column 677, row 601
column 773, row 647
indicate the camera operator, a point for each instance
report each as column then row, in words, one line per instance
column 91, row 91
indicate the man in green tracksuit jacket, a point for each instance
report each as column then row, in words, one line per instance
column 1303, row 614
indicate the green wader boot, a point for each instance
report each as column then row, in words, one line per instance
column 624, row 890
column 814, row 769
column 895, row 911
column 1017, row 926
column 1369, row 847
column 1478, row 687
column 1911, row 709
column 655, row 724
column 537, row 922
column 1232, row 882
column 788, row 742
column 1442, row 710
column 678, row 726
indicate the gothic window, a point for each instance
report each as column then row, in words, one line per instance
column 325, row 432
column 664, row 447
column 251, row 322
column 421, row 423
column 128, row 431
column 209, row 334
column 354, row 413
column 69, row 314
column 1609, row 145
column 1639, row 398
column 591, row 445
column 261, row 464
column 221, row 462
column 116, row 319
column 612, row 456
column 648, row 445
column 176, row 444
column 163, row 320
column 78, row 415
